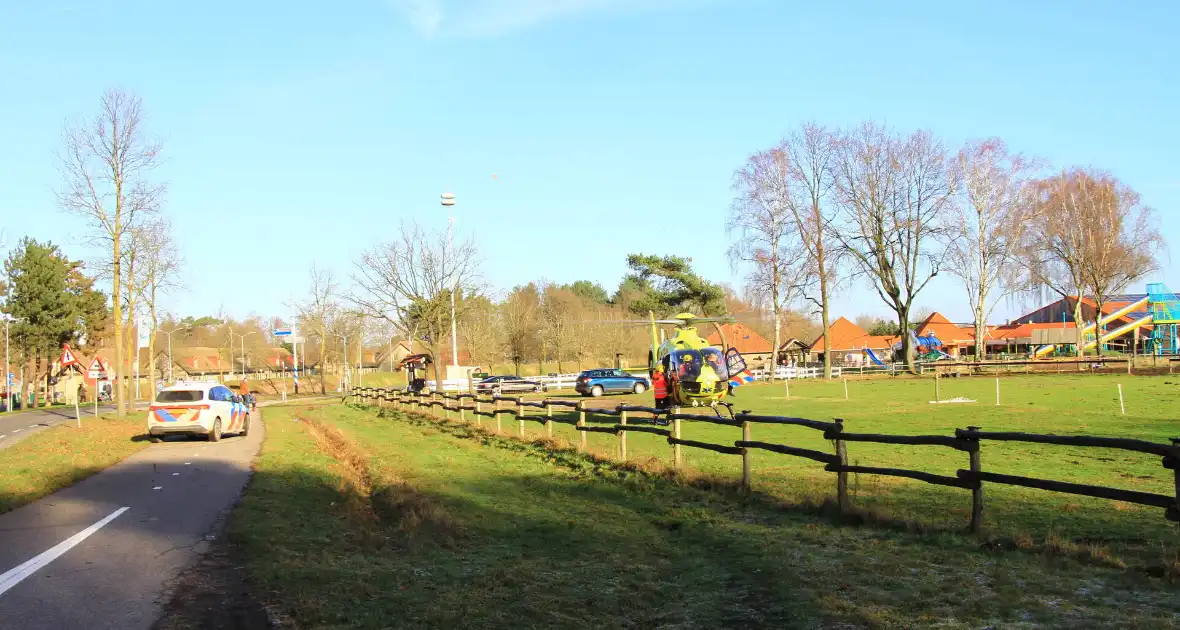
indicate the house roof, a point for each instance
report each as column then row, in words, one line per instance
column 793, row 342
column 742, row 337
column 947, row 332
column 846, row 335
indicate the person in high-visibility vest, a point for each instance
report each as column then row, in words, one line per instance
column 659, row 387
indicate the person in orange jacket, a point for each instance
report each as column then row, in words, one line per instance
column 659, row 387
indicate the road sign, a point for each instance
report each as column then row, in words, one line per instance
column 294, row 339
column 281, row 332
column 67, row 356
column 97, row 370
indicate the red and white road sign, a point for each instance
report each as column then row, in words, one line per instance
column 67, row 356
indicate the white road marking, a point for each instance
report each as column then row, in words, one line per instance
column 16, row 575
column 18, row 430
column 187, row 463
column 175, row 474
column 158, row 488
column 32, row 425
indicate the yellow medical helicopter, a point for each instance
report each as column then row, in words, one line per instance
column 698, row 373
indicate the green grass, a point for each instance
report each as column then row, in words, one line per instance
column 1080, row 405
column 64, row 455
column 356, row 521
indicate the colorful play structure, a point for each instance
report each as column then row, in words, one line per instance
column 1161, row 311
column 926, row 347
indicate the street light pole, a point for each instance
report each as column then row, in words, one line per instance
column 169, row 333
column 448, row 201
column 231, row 345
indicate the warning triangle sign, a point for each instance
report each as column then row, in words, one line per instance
column 96, row 366
column 67, row 356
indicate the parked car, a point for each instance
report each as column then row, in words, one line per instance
column 610, row 381
column 204, row 409
column 508, row 385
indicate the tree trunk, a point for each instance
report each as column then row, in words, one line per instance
column 1099, row 328
column 1079, row 324
column 907, row 340
column 435, row 350
column 34, row 378
column 117, row 309
column 323, row 349
column 778, row 334
column 825, row 320
column 980, row 328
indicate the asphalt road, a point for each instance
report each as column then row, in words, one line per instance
column 147, row 517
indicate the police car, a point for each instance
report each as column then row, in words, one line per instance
column 200, row 408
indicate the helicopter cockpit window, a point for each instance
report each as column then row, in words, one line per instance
column 687, row 364
column 714, row 359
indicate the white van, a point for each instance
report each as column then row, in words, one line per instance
column 206, row 409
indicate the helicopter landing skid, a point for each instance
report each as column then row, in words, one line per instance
column 720, row 403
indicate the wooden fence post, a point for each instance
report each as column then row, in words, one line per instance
column 746, row 456
column 582, row 423
column 976, row 489
column 623, row 436
column 1176, row 471
column 462, row 413
column 842, row 498
column 548, row 419
column 520, row 417
column 676, row 434
column 937, row 397
column 496, row 413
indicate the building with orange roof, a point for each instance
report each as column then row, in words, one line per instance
column 957, row 340
column 753, row 347
column 850, row 343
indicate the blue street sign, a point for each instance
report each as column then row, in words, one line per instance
column 281, row 332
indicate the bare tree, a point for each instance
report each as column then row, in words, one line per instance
column 811, row 155
column 408, row 282
column 1054, row 249
column 161, row 268
column 105, row 166
column 560, row 311
column 766, row 239
column 319, row 312
column 480, row 330
column 520, row 315
column 1122, row 241
column 893, row 192
column 985, row 226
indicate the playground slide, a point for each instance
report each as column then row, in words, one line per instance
column 873, row 357
column 1134, row 306
column 1121, row 330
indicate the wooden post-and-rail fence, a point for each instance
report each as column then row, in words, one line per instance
column 667, row 423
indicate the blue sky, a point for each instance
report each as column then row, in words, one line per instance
column 572, row 131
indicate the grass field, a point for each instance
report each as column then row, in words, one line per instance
column 1078, row 405
column 64, row 455
column 353, row 520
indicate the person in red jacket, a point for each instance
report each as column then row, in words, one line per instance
column 659, row 387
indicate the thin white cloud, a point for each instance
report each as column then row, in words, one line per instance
column 489, row 18
column 424, row 15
